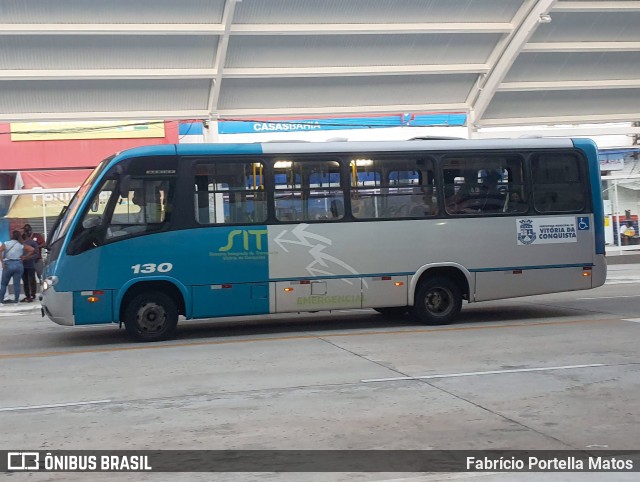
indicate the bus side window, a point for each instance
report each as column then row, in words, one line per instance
column 558, row 184
column 308, row 191
column 392, row 188
column 229, row 192
column 481, row 185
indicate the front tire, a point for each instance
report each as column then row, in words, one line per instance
column 151, row 316
column 437, row 302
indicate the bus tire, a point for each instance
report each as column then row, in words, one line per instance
column 151, row 316
column 437, row 302
column 393, row 311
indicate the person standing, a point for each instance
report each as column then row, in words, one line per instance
column 39, row 239
column 29, row 274
column 12, row 253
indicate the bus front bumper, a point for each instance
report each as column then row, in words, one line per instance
column 58, row 306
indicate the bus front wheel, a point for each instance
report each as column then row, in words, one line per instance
column 437, row 301
column 151, row 316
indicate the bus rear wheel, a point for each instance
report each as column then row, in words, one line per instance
column 151, row 316
column 437, row 302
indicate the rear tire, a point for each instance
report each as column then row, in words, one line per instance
column 151, row 316
column 393, row 311
column 437, row 302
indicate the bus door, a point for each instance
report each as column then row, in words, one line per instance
column 229, row 201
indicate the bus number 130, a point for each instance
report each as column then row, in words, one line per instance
column 152, row 268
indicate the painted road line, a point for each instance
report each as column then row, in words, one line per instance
column 473, row 374
column 635, row 320
column 53, row 405
column 159, row 346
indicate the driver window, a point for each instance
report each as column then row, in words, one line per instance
column 136, row 198
column 145, row 207
column 89, row 232
column 95, row 214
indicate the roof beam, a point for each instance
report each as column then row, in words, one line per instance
column 112, row 29
column 557, row 120
column 248, row 29
column 597, row 6
column 562, row 131
column 496, row 53
column 569, row 85
column 581, row 46
column 120, row 115
column 489, row 85
column 368, row 28
column 98, row 74
column 221, row 55
column 366, row 109
column 283, row 72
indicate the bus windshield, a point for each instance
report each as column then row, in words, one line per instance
column 76, row 201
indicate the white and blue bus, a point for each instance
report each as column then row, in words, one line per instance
column 215, row 230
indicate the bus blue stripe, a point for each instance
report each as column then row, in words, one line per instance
column 591, row 150
column 409, row 273
column 548, row 266
column 374, row 275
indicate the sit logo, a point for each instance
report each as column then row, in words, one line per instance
column 245, row 235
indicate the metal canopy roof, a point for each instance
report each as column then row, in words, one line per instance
column 503, row 62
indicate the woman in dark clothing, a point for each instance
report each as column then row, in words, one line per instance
column 29, row 273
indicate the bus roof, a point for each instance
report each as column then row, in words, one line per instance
column 341, row 147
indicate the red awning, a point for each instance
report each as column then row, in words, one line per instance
column 36, row 205
column 51, row 179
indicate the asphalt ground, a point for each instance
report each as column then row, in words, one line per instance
column 549, row 372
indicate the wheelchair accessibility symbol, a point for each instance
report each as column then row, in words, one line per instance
column 583, row 223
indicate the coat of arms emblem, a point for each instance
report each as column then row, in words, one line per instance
column 526, row 234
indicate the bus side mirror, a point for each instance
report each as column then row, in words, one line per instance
column 125, row 183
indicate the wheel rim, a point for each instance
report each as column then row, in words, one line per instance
column 439, row 301
column 151, row 318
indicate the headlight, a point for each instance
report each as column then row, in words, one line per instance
column 49, row 282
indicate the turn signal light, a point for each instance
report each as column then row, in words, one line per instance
column 93, row 299
column 288, row 289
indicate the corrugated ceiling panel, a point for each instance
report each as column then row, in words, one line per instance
column 589, row 27
column 357, row 50
column 344, row 92
column 530, row 66
column 107, row 52
column 563, row 103
column 103, row 95
column 111, row 11
column 374, row 11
